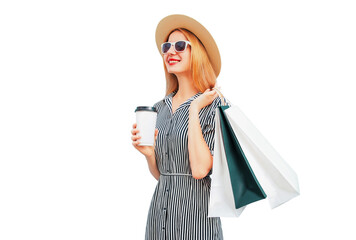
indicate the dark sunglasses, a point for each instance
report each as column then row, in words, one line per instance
column 179, row 46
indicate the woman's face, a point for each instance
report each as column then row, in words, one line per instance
column 177, row 62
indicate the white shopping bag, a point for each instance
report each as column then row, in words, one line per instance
column 276, row 177
column 221, row 203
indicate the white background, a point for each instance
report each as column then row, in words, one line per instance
column 72, row 73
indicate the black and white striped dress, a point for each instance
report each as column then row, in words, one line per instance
column 179, row 205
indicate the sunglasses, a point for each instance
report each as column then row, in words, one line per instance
column 179, row 46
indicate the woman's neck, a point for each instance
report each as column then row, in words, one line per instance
column 186, row 87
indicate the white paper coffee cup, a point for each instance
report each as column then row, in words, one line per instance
column 146, row 122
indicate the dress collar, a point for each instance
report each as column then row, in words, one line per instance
column 168, row 100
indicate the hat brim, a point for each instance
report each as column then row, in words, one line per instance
column 171, row 22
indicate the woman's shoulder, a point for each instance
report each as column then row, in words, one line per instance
column 160, row 104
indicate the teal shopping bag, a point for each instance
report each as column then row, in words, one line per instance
column 245, row 186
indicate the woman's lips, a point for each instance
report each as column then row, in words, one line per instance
column 173, row 61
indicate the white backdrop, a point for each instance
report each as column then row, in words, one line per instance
column 72, row 73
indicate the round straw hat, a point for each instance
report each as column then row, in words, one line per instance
column 171, row 22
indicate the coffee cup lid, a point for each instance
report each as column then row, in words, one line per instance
column 146, row 108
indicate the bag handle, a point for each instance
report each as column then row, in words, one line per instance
column 217, row 89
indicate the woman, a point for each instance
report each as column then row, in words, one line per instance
column 182, row 157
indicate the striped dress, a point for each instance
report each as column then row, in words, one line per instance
column 179, row 205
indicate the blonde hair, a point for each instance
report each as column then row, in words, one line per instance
column 202, row 71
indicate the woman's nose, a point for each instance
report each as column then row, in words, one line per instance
column 171, row 50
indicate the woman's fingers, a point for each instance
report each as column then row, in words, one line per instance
column 213, row 92
column 212, row 95
column 135, row 137
column 134, row 131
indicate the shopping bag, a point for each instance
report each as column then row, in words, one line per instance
column 277, row 178
column 221, row 202
column 246, row 188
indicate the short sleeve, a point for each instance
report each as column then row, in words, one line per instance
column 156, row 106
column 208, row 129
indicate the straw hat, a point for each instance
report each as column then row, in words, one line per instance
column 171, row 22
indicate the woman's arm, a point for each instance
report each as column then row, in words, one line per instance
column 200, row 157
column 152, row 166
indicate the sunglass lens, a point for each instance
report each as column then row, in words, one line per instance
column 165, row 47
column 180, row 46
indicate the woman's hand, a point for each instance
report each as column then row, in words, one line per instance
column 205, row 99
column 148, row 151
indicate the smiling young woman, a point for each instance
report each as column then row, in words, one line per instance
column 199, row 63
column 182, row 157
